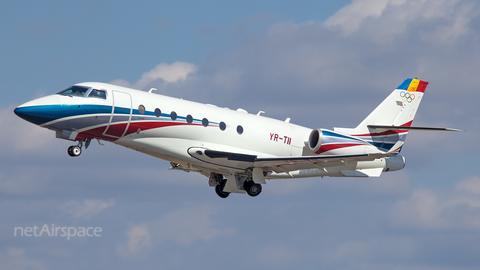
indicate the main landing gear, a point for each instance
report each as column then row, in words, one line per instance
column 219, row 189
column 253, row 189
column 76, row 150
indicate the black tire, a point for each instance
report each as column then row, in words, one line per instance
column 253, row 189
column 247, row 184
column 74, row 151
column 70, row 151
column 220, row 192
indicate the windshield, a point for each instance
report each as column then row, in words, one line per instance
column 74, row 91
column 98, row 94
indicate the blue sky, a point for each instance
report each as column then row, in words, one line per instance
column 84, row 40
column 323, row 63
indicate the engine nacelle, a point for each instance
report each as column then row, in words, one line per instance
column 394, row 163
column 315, row 140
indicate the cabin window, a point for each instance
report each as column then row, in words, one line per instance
column 222, row 126
column 173, row 115
column 141, row 109
column 189, row 119
column 205, row 122
column 158, row 112
column 78, row 91
column 239, row 129
column 98, row 94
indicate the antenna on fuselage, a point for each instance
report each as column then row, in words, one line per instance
column 152, row 89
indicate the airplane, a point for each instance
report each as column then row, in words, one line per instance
column 236, row 150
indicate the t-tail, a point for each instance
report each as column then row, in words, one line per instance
column 387, row 126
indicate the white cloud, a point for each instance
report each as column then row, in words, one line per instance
column 350, row 17
column 188, row 225
column 139, row 240
column 86, row 209
column 183, row 227
column 426, row 209
column 387, row 19
column 21, row 137
column 470, row 185
column 173, row 73
column 297, row 69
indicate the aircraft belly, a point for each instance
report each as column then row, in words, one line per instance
column 170, row 149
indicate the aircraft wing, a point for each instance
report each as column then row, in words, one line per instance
column 279, row 164
column 286, row 164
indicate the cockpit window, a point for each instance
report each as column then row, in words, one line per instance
column 74, row 91
column 98, row 94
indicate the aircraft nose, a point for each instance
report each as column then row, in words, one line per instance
column 38, row 111
column 28, row 114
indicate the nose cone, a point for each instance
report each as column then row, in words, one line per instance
column 39, row 111
column 28, row 113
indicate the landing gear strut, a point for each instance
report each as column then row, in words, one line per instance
column 76, row 150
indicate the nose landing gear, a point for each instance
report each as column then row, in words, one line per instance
column 76, row 150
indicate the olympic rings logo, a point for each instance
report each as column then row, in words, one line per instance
column 407, row 97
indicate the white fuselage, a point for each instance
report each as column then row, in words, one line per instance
column 183, row 132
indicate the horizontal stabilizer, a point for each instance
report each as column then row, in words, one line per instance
column 411, row 128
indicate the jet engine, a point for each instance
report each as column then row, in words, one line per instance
column 394, row 163
column 315, row 140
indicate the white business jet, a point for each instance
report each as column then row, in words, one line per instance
column 236, row 150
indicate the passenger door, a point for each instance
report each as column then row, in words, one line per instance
column 121, row 115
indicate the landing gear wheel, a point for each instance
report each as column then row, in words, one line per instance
column 74, row 151
column 252, row 188
column 219, row 189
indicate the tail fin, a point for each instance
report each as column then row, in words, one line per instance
column 397, row 110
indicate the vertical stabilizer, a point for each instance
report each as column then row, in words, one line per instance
column 398, row 109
